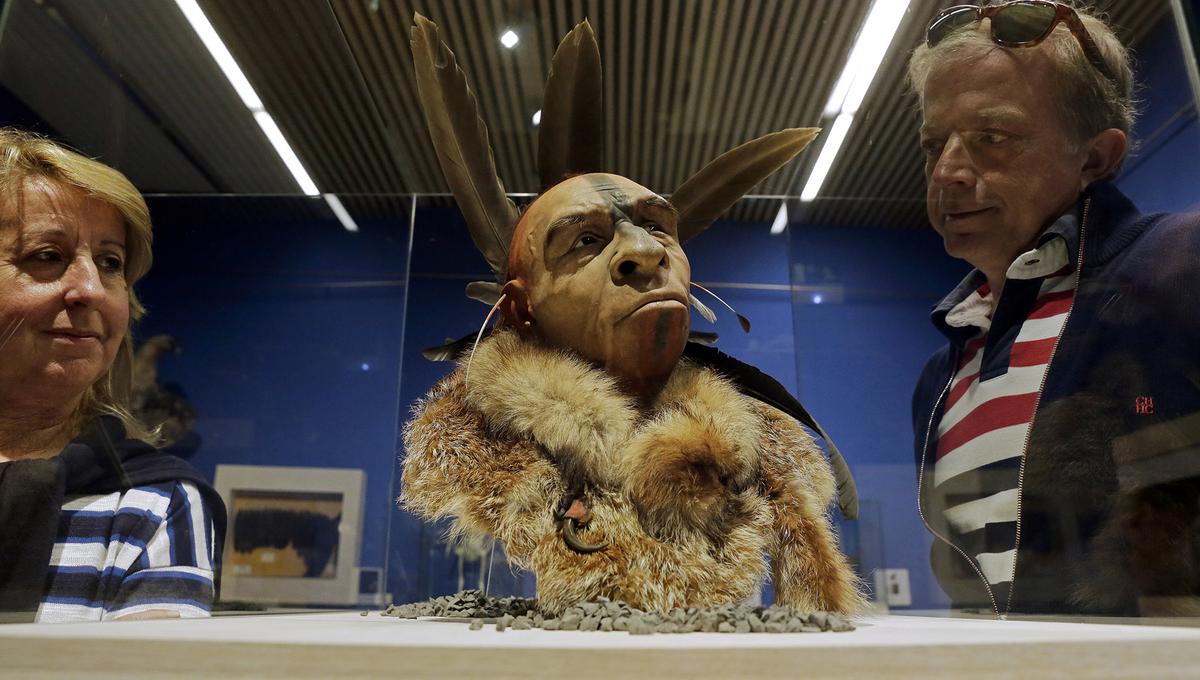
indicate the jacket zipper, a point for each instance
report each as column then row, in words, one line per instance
column 1021, row 473
column 1012, row 587
column 921, row 481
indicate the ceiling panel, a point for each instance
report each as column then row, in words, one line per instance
column 684, row 81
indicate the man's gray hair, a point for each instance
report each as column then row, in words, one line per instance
column 1087, row 101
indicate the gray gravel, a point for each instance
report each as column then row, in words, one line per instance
column 520, row 613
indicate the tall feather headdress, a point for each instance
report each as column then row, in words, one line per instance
column 571, row 142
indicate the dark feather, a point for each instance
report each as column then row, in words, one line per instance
column 743, row 321
column 486, row 292
column 461, row 141
column 571, row 134
column 754, row 383
column 450, row 350
column 706, row 195
column 702, row 338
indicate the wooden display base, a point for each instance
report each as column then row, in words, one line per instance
column 345, row 644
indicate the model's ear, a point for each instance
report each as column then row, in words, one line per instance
column 516, row 308
column 1105, row 152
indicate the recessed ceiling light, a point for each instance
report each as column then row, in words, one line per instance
column 537, row 118
column 509, row 39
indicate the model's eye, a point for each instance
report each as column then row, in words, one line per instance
column 586, row 240
column 653, row 226
column 993, row 137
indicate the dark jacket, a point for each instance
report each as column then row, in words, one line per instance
column 1109, row 500
column 101, row 460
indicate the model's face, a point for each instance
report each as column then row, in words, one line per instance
column 604, row 274
column 64, row 303
column 998, row 163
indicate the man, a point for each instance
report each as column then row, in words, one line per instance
column 1056, row 434
column 574, row 433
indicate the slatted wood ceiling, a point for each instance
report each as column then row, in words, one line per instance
column 684, row 81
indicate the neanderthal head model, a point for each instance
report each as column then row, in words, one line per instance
column 595, row 264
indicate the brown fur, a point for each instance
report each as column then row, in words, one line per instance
column 690, row 494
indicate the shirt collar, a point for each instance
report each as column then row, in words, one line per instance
column 958, row 314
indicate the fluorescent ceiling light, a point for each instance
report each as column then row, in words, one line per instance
column 781, row 219
column 509, row 39
column 872, row 44
column 537, row 118
column 829, row 151
column 874, row 39
column 289, row 158
column 339, row 211
column 208, row 35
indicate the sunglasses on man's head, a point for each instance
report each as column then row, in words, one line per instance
column 1022, row 23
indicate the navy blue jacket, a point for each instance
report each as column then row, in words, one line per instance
column 1110, row 493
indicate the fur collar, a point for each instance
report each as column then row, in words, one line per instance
column 699, row 431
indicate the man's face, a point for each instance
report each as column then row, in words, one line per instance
column 604, row 274
column 64, row 302
column 999, row 165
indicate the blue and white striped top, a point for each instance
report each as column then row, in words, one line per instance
column 148, row 548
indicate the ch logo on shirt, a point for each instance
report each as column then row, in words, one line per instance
column 1144, row 405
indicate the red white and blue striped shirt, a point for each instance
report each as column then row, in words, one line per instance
column 985, row 424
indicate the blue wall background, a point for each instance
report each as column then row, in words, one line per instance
column 290, row 330
column 1163, row 173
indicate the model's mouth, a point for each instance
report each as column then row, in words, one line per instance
column 658, row 301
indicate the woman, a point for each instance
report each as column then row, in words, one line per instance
column 95, row 523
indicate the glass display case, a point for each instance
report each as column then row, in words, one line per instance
column 308, row 253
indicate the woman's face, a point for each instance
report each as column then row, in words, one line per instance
column 64, row 303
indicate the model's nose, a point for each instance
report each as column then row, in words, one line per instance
column 639, row 254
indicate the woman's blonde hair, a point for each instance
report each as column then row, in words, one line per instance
column 25, row 155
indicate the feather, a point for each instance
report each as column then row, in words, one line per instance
column 706, row 195
column 486, row 292
column 700, row 337
column 461, row 141
column 449, row 350
column 571, row 134
column 741, row 319
column 702, row 308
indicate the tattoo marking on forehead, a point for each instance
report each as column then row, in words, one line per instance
column 622, row 207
